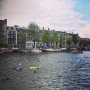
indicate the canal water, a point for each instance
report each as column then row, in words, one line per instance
column 58, row 71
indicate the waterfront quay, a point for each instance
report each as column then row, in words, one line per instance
column 45, row 71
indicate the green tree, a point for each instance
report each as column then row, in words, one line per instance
column 56, row 38
column 69, row 42
column 22, row 38
column 75, row 39
column 62, row 40
column 46, row 37
column 32, row 32
column 82, row 43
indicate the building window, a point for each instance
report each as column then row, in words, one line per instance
column 14, row 36
column 14, row 32
column 11, row 36
column 8, row 32
column 11, row 32
column 14, row 41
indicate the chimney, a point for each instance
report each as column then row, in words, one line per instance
column 5, row 21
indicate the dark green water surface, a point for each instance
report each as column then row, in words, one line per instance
column 59, row 71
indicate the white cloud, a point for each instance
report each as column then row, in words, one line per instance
column 55, row 14
column 84, row 31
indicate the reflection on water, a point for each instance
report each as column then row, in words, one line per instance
column 59, row 71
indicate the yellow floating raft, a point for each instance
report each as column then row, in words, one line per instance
column 34, row 67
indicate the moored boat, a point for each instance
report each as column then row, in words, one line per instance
column 77, row 51
column 63, row 49
column 51, row 50
column 15, row 49
column 1, row 52
column 36, row 50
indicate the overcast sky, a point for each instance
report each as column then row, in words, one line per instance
column 63, row 15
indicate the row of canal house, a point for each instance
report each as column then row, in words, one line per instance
column 62, row 39
column 15, row 36
column 12, row 36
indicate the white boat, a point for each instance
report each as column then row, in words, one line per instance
column 15, row 49
column 51, row 50
column 1, row 52
column 36, row 50
column 63, row 49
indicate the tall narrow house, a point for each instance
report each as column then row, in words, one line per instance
column 3, row 33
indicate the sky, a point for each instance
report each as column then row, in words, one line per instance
column 60, row 15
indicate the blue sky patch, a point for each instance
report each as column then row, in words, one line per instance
column 83, row 6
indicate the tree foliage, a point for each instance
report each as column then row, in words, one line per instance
column 69, row 41
column 75, row 39
column 56, row 38
column 62, row 40
column 33, row 32
column 82, row 42
column 46, row 36
column 22, row 38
